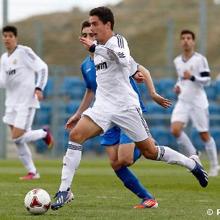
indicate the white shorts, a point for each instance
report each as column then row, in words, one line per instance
column 131, row 121
column 22, row 118
column 183, row 112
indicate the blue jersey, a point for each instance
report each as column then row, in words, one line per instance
column 89, row 74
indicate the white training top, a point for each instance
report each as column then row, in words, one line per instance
column 21, row 72
column 193, row 91
column 113, row 68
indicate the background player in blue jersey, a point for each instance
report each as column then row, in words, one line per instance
column 120, row 148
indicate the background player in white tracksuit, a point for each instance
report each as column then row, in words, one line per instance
column 24, row 76
column 116, row 104
column 193, row 74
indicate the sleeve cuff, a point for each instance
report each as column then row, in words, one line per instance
column 134, row 73
column 92, row 48
column 192, row 78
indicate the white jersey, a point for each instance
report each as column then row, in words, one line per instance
column 113, row 68
column 133, row 66
column 22, row 72
column 192, row 91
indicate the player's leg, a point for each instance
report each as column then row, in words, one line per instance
column 119, row 159
column 211, row 151
column 129, row 180
column 200, row 119
column 24, row 120
column 170, row 156
column 179, row 119
column 84, row 129
column 25, row 156
column 128, row 153
column 136, row 128
column 12, row 118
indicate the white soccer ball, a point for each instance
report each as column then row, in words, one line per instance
column 37, row 201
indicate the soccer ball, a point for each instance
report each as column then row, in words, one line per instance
column 37, row 201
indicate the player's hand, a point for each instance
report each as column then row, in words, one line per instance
column 87, row 43
column 166, row 103
column 187, row 74
column 39, row 94
column 177, row 90
column 138, row 77
column 72, row 121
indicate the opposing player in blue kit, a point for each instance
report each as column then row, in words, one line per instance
column 120, row 148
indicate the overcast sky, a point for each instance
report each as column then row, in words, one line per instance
column 21, row 9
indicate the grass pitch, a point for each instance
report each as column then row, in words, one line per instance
column 100, row 195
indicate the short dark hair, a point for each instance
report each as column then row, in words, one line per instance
column 9, row 28
column 186, row 31
column 85, row 24
column 104, row 14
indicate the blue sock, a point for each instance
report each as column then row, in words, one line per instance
column 132, row 183
column 137, row 154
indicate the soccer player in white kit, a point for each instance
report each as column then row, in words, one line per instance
column 24, row 76
column 116, row 104
column 193, row 74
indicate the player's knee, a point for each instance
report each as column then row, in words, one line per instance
column 126, row 161
column 76, row 136
column 15, row 135
column 115, row 164
column 175, row 131
column 150, row 153
column 18, row 140
column 205, row 136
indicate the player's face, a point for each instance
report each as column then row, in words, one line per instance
column 9, row 40
column 99, row 29
column 87, row 33
column 187, row 42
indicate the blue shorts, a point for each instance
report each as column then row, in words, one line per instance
column 115, row 136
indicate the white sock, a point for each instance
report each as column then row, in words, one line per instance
column 32, row 135
column 173, row 157
column 25, row 156
column 211, row 151
column 185, row 145
column 71, row 162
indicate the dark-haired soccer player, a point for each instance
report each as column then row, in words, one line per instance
column 193, row 74
column 116, row 103
column 119, row 147
column 24, row 76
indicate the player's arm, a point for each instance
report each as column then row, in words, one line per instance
column 152, row 91
column 86, row 102
column 2, row 81
column 2, row 76
column 42, row 77
column 203, row 78
column 177, row 86
column 35, row 63
column 89, row 93
column 117, row 49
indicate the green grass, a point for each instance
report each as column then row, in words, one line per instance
column 100, row 195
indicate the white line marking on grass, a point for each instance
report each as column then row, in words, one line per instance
column 203, row 200
column 107, row 197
